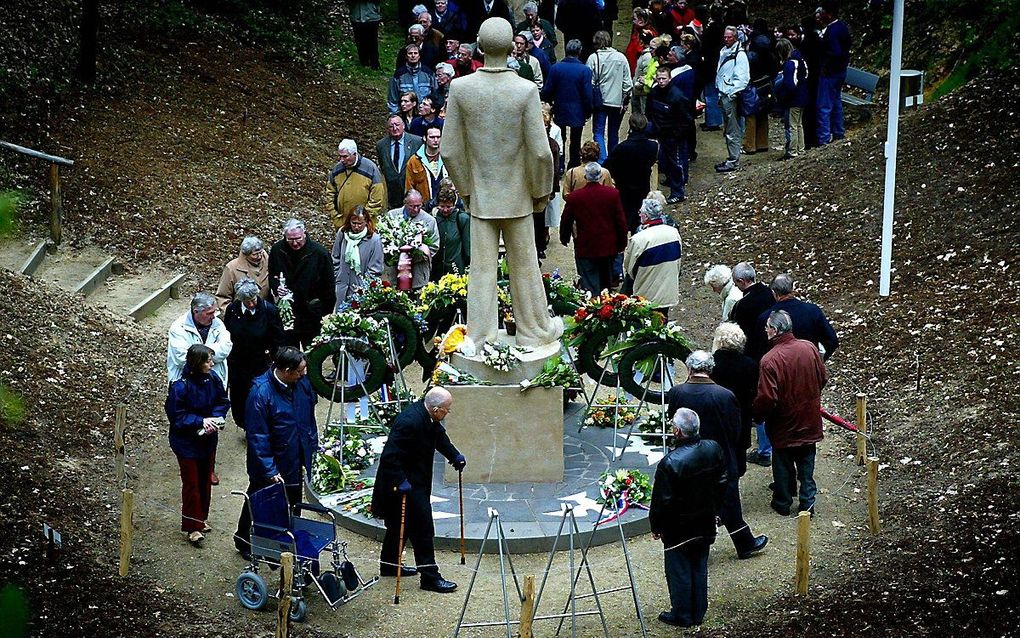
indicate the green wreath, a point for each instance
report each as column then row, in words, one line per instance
column 437, row 323
column 375, row 369
column 589, row 352
column 643, row 356
column 405, row 334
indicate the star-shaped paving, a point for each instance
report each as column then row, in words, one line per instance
column 582, row 505
column 436, row 515
column 648, row 447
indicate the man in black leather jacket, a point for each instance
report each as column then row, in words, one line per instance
column 689, row 485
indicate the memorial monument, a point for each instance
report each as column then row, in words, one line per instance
column 496, row 150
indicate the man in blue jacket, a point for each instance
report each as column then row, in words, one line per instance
column 281, row 433
column 569, row 89
column 835, row 59
column 809, row 322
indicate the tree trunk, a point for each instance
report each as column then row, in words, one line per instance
column 89, row 41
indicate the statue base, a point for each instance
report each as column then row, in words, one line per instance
column 530, row 365
column 508, row 436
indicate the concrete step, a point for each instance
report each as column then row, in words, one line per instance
column 71, row 268
column 22, row 255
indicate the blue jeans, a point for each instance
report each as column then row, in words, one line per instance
column 687, row 580
column 713, row 114
column 595, row 273
column 830, row 108
column 614, row 116
column 790, row 466
column 673, row 162
column 764, row 445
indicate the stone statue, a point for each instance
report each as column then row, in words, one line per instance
column 497, row 152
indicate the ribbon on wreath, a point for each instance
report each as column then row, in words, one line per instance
column 623, row 505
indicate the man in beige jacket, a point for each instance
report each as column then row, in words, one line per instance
column 497, row 152
column 252, row 262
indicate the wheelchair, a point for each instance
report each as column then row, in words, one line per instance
column 275, row 530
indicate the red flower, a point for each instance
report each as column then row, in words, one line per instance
column 605, row 312
column 628, row 481
column 580, row 314
column 374, row 283
column 355, row 305
column 620, row 298
column 385, row 284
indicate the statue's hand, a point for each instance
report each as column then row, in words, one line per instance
column 538, row 204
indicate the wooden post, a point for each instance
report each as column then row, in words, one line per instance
column 873, row 495
column 286, row 585
column 527, row 606
column 56, row 205
column 862, row 428
column 118, row 443
column 803, row 551
column 127, row 506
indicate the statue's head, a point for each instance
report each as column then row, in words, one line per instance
column 496, row 38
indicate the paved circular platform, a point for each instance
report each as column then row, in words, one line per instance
column 531, row 512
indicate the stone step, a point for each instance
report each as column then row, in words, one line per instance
column 70, row 268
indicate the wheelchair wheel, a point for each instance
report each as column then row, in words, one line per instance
column 298, row 610
column 349, row 575
column 333, row 587
column 251, row 590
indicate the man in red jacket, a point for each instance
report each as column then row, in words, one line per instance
column 594, row 215
column 789, row 400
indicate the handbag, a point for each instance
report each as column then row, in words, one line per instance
column 596, row 91
column 748, row 100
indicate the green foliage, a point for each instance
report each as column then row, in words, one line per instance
column 14, row 612
column 10, row 201
column 341, row 55
column 12, row 408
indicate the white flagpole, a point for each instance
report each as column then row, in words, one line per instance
column 892, row 136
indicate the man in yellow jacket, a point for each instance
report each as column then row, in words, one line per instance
column 354, row 181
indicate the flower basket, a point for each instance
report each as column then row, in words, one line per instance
column 607, row 410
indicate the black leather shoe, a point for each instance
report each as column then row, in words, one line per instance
column 439, row 585
column 668, row 618
column 781, row 512
column 405, row 572
column 759, row 545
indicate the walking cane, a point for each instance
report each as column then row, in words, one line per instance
column 400, row 552
column 460, row 488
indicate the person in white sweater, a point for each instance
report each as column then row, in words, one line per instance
column 652, row 258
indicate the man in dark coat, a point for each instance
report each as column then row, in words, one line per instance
column 630, row 164
column 809, row 322
column 394, row 150
column 689, row 484
column 719, row 414
column 405, row 471
column 478, row 11
column 789, row 400
column 569, row 89
column 601, row 229
column 579, row 20
column 670, row 114
column 756, row 300
column 302, row 266
column 280, row 431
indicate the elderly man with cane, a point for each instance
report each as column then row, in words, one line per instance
column 403, row 485
column 689, row 484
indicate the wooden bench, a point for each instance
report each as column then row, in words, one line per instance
column 858, row 79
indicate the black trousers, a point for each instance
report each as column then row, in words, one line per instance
column 242, row 537
column 574, row 157
column 418, row 530
column 732, row 516
column 366, row 39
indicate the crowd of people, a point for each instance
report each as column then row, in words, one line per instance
column 236, row 352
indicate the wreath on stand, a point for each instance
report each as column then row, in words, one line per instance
column 347, row 331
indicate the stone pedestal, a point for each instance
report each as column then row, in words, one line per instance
column 508, row 436
column 530, row 365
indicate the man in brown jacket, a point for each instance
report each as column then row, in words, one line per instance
column 789, row 400
column 251, row 263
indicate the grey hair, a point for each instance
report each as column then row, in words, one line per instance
column 732, row 30
column 251, row 244
column 246, row 289
column 780, row 321
column 436, row 397
column 573, row 48
column 657, row 196
column 718, row 275
column 347, row 145
column 745, row 272
column 526, row 34
column 202, row 301
column 652, row 208
column 411, row 193
column 419, row 9
column 467, row 47
column 782, row 284
column 530, row 7
column 687, row 422
column 444, row 68
column 293, row 224
column 729, row 336
column 592, row 171
column 416, row 28
column 700, row 361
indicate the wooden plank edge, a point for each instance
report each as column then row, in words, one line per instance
column 96, row 277
column 150, row 304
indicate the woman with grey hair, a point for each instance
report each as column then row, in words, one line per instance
column 257, row 331
column 252, row 262
column 738, row 373
column 651, row 263
column 720, row 279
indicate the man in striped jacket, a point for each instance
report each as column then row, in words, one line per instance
column 652, row 259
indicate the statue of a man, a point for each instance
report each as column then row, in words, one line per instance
column 497, row 151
